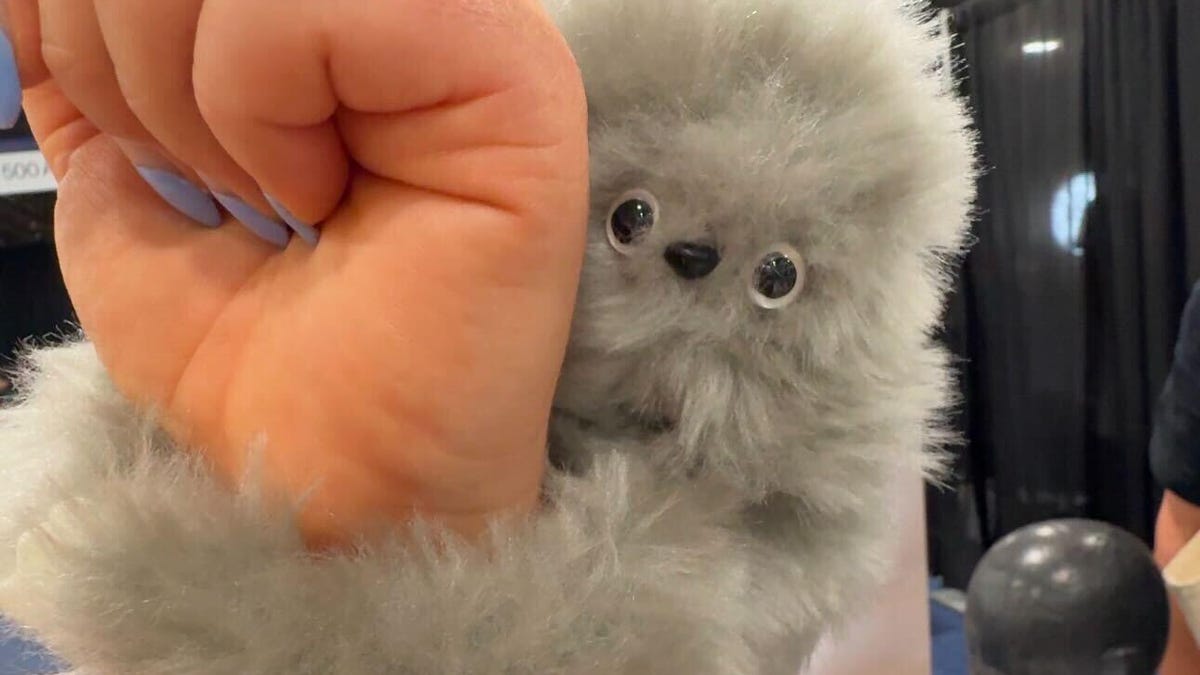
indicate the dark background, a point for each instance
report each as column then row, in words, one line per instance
column 1088, row 242
column 1088, row 238
column 33, row 301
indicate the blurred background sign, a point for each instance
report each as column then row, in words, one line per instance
column 23, row 169
column 26, row 191
column 24, row 172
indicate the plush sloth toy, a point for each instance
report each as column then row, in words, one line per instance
column 778, row 188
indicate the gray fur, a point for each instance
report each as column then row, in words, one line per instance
column 724, row 542
column 807, row 123
column 816, row 124
column 127, row 557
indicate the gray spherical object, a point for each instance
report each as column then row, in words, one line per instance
column 1067, row 597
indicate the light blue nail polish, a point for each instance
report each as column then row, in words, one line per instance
column 307, row 232
column 264, row 227
column 188, row 199
column 10, row 85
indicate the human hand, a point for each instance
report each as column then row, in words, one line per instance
column 407, row 361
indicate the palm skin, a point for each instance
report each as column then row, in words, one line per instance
column 406, row 364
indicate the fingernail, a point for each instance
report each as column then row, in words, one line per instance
column 264, row 227
column 307, row 232
column 190, row 200
column 10, row 85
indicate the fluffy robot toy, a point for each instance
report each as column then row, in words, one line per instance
column 778, row 186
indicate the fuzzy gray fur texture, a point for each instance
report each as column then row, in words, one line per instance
column 823, row 128
column 718, row 498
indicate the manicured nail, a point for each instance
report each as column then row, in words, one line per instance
column 10, row 85
column 190, row 200
column 307, row 232
column 264, row 227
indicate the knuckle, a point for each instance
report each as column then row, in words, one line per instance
column 143, row 101
column 210, row 95
column 89, row 84
column 64, row 62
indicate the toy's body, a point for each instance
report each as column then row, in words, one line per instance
column 775, row 185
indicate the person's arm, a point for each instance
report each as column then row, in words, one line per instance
column 1178, row 523
column 1175, row 463
column 124, row 555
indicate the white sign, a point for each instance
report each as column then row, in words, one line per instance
column 25, row 172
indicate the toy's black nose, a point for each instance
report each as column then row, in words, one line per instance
column 692, row 261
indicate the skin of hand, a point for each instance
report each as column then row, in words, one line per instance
column 1178, row 522
column 406, row 363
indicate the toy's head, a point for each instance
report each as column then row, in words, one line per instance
column 777, row 186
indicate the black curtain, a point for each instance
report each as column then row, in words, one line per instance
column 1068, row 304
column 1140, row 262
column 33, row 300
column 1187, row 82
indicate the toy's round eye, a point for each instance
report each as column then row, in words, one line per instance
column 632, row 216
column 778, row 277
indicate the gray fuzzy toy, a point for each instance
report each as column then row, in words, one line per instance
column 777, row 187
